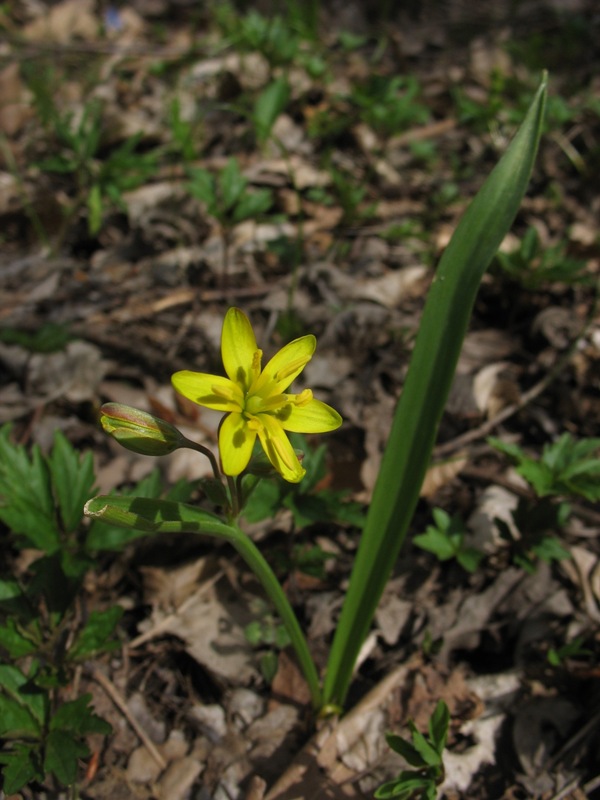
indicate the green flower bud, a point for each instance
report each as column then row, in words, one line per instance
column 139, row 431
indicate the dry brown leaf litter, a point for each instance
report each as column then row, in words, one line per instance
column 149, row 288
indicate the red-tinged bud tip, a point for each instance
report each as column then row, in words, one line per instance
column 139, row 431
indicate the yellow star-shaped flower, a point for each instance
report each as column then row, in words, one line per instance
column 256, row 401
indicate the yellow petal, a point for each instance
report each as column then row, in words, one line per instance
column 285, row 366
column 212, row 391
column 313, row 417
column 279, row 450
column 238, row 349
column 236, row 441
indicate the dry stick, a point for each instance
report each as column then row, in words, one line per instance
column 566, row 790
column 584, row 731
column 112, row 691
column 487, row 427
column 591, row 785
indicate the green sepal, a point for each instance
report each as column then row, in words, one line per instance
column 156, row 516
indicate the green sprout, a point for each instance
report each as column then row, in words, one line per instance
column 227, row 198
column 534, row 266
column 424, row 754
column 566, row 468
column 446, row 540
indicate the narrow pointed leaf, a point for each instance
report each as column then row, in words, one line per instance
column 427, row 752
column 443, row 326
column 438, row 726
column 408, row 752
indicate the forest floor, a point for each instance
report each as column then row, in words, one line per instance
column 361, row 143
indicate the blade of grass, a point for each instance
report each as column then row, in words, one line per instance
column 443, row 326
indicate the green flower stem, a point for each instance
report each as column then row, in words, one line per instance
column 235, row 497
column 259, row 566
column 164, row 516
column 208, row 453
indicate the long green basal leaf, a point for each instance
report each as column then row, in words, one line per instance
column 414, row 428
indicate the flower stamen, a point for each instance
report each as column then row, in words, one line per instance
column 289, row 369
column 301, row 399
column 229, row 393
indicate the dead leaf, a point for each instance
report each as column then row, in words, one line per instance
column 392, row 616
column 557, row 325
column 540, row 726
column 396, row 286
column 289, row 683
column 494, row 503
column 584, row 572
column 475, row 612
column 179, row 778
column 15, row 108
column 441, row 474
column 494, row 388
column 65, row 21
column 496, row 693
column 74, row 373
column 142, row 766
column 481, row 348
column 11, row 194
column 211, row 622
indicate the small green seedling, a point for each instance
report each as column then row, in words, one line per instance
column 446, row 540
column 268, row 636
column 184, row 133
column 227, row 198
column 573, row 649
column 98, row 182
column 566, row 468
column 538, row 522
column 350, row 193
column 50, row 337
column 43, row 638
column 533, row 265
column 424, row 754
column 390, row 104
column 269, row 104
column 271, row 36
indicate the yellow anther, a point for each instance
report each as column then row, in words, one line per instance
column 229, row 393
column 274, row 403
column 291, row 368
column 303, row 398
column 254, row 424
column 256, row 360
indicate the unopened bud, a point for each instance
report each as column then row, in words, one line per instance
column 139, row 431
